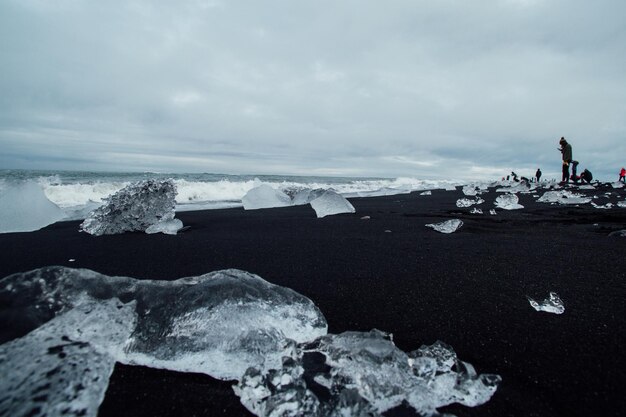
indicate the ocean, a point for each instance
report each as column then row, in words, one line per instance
column 78, row 192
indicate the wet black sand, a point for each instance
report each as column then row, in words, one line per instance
column 467, row 289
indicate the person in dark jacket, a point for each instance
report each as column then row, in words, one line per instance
column 586, row 176
column 566, row 153
column 538, row 174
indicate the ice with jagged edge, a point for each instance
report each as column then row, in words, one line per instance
column 365, row 374
column 476, row 210
column 426, row 192
column 264, row 196
column 586, row 187
column 563, row 197
column 133, row 208
column 24, row 207
column 63, row 367
column 466, row 202
column 518, row 187
column 621, row 204
column 169, row 227
column 604, row 207
column 218, row 323
column 508, row 202
column 493, row 212
column 552, row 304
column 449, row 226
column 331, row 203
column 305, row 196
column 618, row 184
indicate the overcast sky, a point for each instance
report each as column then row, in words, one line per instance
column 427, row 89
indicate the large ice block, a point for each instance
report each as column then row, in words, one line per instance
column 563, row 197
column 553, row 304
column 331, row 203
column 264, row 196
column 133, row 208
column 305, row 196
column 508, row 202
column 449, row 226
column 24, row 208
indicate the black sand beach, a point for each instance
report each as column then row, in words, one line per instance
column 390, row 272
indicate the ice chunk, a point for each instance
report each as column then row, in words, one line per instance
column 426, row 193
column 563, row 197
column 621, row 204
column 508, row 202
column 366, row 374
column 449, row 226
column 469, row 190
column 63, row 367
column 218, row 323
column 553, row 304
column 605, row 207
column 265, row 196
column 617, row 184
column 493, row 212
column 24, row 207
column 169, row 227
column 306, row 195
column 133, row 208
column 476, row 210
column 586, row 187
column 466, row 202
column 331, row 203
column 618, row 233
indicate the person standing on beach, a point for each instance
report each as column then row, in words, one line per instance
column 538, row 174
column 566, row 152
column 622, row 175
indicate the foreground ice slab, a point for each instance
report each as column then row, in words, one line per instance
column 24, row 208
column 563, row 197
column 133, row 208
column 265, row 196
column 365, row 375
column 553, row 304
column 508, row 202
column 449, row 226
column 331, row 203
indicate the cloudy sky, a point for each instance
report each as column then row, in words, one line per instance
column 428, row 89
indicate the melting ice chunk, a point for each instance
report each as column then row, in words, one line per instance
column 553, row 304
column 493, row 212
column 133, row 208
column 466, row 202
column 331, row 203
column 618, row 233
column 169, row 227
column 368, row 375
column 265, row 196
column 24, row 207
column 426, row 193
column 563, row 197
column 605, row 207
column 305, row 196
column 476, row 210
column 508, row 202
column 449, row 226
column 621, row 204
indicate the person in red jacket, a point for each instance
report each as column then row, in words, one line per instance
column 622, row 175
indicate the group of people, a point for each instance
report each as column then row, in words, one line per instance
column 566, row 152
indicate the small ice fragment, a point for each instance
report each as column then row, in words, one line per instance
column 265, row 196
column 25, row 208
column 331, row 203
column 618, row 233
column 605, row 207
column 449, row 226
column 133, row 208
column 71, row 260
column 469, row 190
column 365, row 218
column 493, row 212
column 426, row 193
column 387, row 231
column 621, row 204
column 169, row 227
column 466, row 202
column 508, row 202
column 618, row 184
column 476, row 210
column 549, row 305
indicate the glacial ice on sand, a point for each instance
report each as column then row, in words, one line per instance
column 563, row 197
column 306, row 195
column 24, row 208
column 449, row 226
column 508, row 202
column 493, row 212
column 133, row 208
column 466, row 202
column 426, row 193
column 476, row 210
column 229, row 324
column 553, row 304
column 331, row 203
column 168, row 227
column 264, row 196
column 621, row 204
column 365, row 374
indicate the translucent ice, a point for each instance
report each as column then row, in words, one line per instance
column 365, row 374
column 493, row 212
column 508, row 202
column 466, row 202
column 476, row 210
column 426, row 193
column 469, row 190
column 605, row 207
column 553, row 304
column 218, row 323
column 621, row 204
column 168, row 227
column 449, row 226
column 331, row 203
column 24, row 207
column 264, row 196
column 563, row 197
column 133, row 208
column 618, row 184
column 63, row 367
column 586, row 187
column 306, row 195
